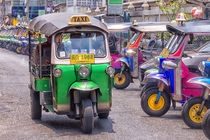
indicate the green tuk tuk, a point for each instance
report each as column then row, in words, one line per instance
column 70, row 72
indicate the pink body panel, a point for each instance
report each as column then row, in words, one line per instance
column 189, row 89
column 114, row 58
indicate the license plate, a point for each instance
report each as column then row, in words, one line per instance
column 165, row 53
column 82, row 58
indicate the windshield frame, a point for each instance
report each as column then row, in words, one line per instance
column 82, row 31
column 174, row 43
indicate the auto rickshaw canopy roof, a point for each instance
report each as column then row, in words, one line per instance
column 150, row 27
column 117, row 27
column 51, row 23
column 190, row 27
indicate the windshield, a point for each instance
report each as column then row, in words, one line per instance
column 80, row 43
column 174, row 42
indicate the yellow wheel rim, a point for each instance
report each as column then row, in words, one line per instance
column 193, row 113
column 18, row 50
column 119, row 81
column 152, row 105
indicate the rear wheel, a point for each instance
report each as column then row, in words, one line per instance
column 87, row 121
column 36, row 108
column 124, row 81
column 206, row 124
column 189, row 112
column 150, row 107
column 103, row 115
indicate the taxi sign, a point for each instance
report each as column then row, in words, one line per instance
column 165, row 53
column 82, row 58
column 79, row 20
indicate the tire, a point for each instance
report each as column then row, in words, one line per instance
column 103, row 115
column 206, row 124
column 190, row 107
column 152, row 109
column 87, row 122
column 146, row 86
column 36, row 108
column 124, row 82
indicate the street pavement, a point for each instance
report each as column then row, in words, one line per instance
column 127, row 121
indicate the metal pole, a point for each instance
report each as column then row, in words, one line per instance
column 40, row 56
column 29, row 45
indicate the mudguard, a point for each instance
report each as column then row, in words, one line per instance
column 201, row 81
column 159, row 76
column 151, row 71
column 84, row 86
column 124, row 60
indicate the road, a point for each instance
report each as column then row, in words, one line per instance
column 127, row 121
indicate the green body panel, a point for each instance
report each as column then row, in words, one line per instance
column 100, row 77
column 152, row 71
column 42, row 84
column 159, row 56
column 63, row 83
column 70, row 78
column 84, row 85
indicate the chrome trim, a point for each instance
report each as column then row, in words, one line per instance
column 80, row 89
column 158, row 78
column 120, row 60
column 199, row 82
column 169, row 65
column 81, row 68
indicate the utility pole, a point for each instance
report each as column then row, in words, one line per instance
column 3, row 10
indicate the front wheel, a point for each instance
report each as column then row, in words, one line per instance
column 87, row 121
column 190, row 115
column 206, row 124
column 123, row 81
column 36, row 108
column 150, row 107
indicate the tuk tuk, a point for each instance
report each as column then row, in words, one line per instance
column 172, row 76
column 119, row 34
column 70, row 73
column 194, row 109
column 134, row 54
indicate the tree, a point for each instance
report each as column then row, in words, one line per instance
column 171, row 7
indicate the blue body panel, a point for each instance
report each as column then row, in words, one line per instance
column 207, row 68
column 159, row 76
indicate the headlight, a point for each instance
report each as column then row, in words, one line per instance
column 130, row 52
column 57, row 72
column 157, row 61
column 84, row 71
column 201, row 67
column 110, row 71
column 169, row 65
